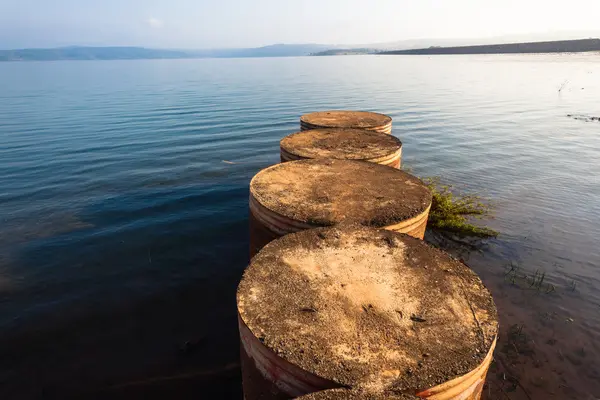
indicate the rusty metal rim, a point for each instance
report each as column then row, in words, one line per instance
column 384, row 160
column 287, row 156
column 457, row 386
column 387, row 128
column 410, row 224
column 389, row 159
column 277, row 223
column 282, row 225
column 385, row 116
column 289, row 378
column 388, row 124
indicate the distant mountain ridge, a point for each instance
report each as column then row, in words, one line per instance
column 88, row 53
column 141, row 53
column 347, row 52
column 275, row 50
column 456, row 42
column 560, row 46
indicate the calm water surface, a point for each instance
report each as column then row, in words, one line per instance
column 123, row 231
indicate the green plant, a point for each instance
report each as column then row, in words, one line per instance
column 452, row 212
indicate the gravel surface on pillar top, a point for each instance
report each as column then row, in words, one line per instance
column 326, row 192
column 346, row 394
column 346, row 119
column 344, row 144
column 368, row 308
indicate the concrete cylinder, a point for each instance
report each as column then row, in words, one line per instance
column 347, row 119
column 342, row 144
column 363, row 309
column 305, row 194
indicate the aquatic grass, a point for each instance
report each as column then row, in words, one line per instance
column 512, row 273
column 537, row 279
column 536, row 282
column 516, row 276
column 451, row 212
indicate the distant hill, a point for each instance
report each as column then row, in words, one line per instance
column 345, row 52
column 282, row 50
column 563, row 46
column 275, row 50
column 140, row 53
column 88, row 53
column 417, row 46
column 410, row 44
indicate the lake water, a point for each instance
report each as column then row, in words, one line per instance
column 124, row 232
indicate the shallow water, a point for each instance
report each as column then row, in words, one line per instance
column 124, row 231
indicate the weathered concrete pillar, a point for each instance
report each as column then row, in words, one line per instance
column 370, row 310
column 305, row 194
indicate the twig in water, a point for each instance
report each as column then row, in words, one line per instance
column 562, row 86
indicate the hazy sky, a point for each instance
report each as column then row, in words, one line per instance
column 245, row 23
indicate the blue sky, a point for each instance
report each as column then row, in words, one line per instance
column 243, row 23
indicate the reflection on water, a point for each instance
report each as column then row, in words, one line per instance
column 123, row 230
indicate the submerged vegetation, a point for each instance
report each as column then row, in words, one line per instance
column 528, row 280
column 535, row 280
column 452, row 212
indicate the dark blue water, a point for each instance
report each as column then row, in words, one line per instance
column 124, row 184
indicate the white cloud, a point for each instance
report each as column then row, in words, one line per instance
column 155, row 22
